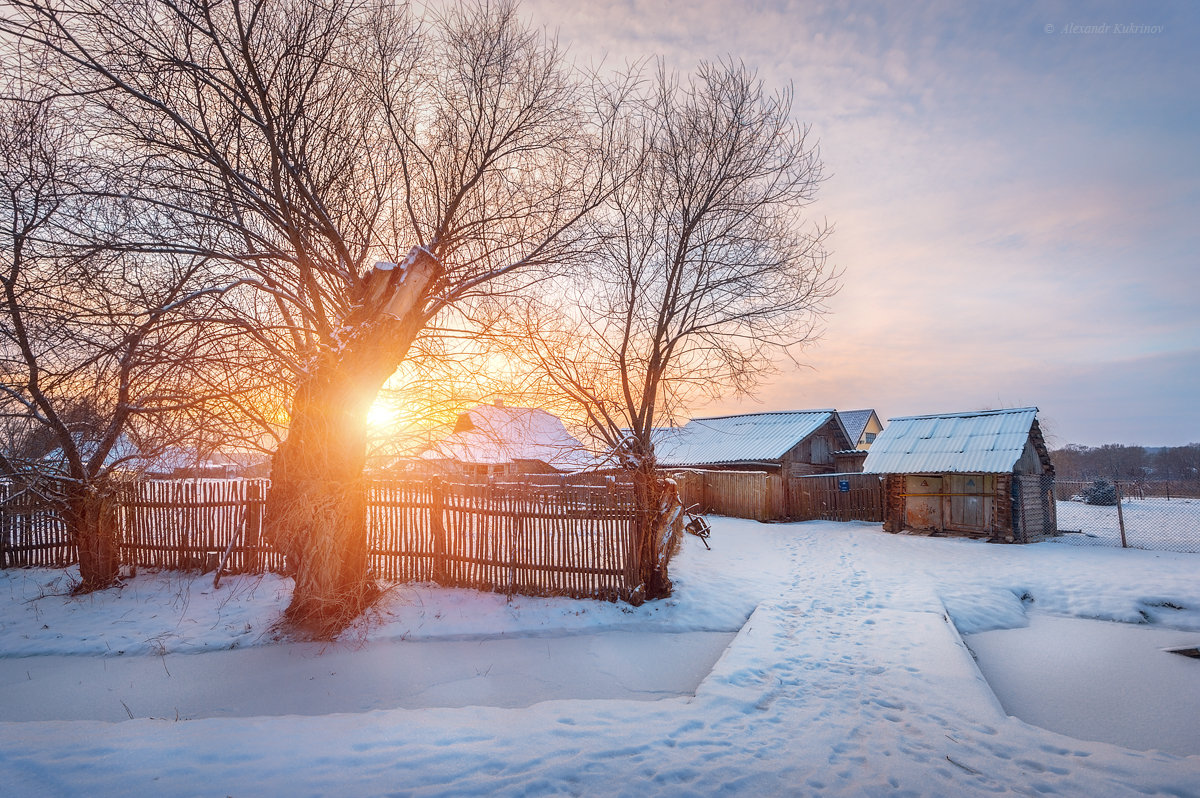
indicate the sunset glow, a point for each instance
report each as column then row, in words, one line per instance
column 1013, row 189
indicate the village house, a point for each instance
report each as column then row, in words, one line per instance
column 497, row 440
column 980, row 474
column 863, row 426
column 788, row 443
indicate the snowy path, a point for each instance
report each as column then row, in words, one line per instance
column 847, row 679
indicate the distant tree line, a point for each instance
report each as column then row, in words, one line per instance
column 1130, row 464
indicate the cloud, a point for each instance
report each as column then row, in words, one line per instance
column 1014, row 209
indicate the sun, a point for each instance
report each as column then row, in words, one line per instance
column 383, row 415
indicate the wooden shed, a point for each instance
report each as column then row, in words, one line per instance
column 791, row 443
column 984, row 474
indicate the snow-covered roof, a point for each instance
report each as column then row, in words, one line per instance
column 495, row 434
column 751, row 438
column 172, row 458
column 855, row 421
column 982, row 442
column 123, row 450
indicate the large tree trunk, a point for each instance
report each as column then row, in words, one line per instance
column 91, row 518
column 316, row 505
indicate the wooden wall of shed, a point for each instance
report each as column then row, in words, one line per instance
column 893, row 503
column 1035, row 459
column 1002, row 507
column 1001, row 516
column 849, row 462
column 798, row 461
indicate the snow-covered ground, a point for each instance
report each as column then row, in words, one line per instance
column 845, row 677
column 1097, row 680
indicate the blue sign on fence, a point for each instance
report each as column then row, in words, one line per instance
column 844, row 485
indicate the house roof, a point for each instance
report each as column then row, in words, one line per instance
column 855, row 421
column 123, row 450
column 494, row 435
column 982, row 442
column 751, row 438
column 171, row 458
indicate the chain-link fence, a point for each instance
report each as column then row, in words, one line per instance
column 1135, row 515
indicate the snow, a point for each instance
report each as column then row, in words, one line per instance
column 1097, row 680
column 314, row 679
column 844, row 676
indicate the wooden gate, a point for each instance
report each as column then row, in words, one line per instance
column 835, row 497
column 968, row 502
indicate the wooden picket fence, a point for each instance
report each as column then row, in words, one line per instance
column 572, row 540
column 31, row 532
column 192, row 524
column 835, row 497
column 771, row 497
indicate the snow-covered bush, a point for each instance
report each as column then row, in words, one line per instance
column 1101, row 492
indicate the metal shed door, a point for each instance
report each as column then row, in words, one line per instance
column 923, row 502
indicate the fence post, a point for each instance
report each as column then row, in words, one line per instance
column 254, row 513
column 5, row 490
column 516, row 532
column 1120, row 514
column 437, row 510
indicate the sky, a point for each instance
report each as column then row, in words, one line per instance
column 1014, row 189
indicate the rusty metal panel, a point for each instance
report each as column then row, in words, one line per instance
column 923, row 502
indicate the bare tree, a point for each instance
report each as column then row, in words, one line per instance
column 313, row 139
column 99, row 349
column 704, row 273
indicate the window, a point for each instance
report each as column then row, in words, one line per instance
column 870, row 437
column 820, row 451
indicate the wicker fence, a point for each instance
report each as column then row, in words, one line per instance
column 566, row 540
column 513, row 538
column 771, row 497
column 31, row 533
column 185, row 525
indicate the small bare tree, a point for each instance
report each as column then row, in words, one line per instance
column 99, row 350
column 704, row 273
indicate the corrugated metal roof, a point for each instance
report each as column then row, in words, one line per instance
column 983, row 442
column 751, row 438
